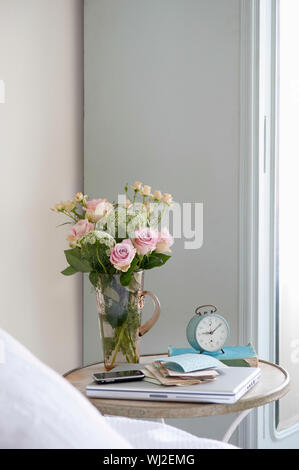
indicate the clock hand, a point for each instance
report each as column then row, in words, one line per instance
column 218, row 326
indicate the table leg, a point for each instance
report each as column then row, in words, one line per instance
column 234, row 425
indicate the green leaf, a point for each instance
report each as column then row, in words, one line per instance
column 65, row 223
column 75, row 259
column 69, row 271
column 153, row 263
column 94, row 278
column 133, row 264
column 162, row 256
column 125, row 278
column 156, row 260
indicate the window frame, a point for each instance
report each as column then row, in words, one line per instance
column 259, row 320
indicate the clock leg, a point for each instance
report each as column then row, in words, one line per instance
column 234, row 425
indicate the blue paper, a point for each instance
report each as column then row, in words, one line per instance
column 190, row 362
column 230, row 352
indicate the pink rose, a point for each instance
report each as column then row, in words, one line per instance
column 165, row 241
column 96, row 209
column 145, row 240
column 79, row 229
column 122, row 255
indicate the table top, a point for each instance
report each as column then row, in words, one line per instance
column 273, row 385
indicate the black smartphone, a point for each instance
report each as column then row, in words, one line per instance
column 119, row 376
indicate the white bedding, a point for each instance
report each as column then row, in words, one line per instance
column 40, row 409
column 154, row 435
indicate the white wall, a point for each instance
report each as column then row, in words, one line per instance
column 162, row 81
column 41, row 160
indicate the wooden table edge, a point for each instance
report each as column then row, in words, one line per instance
column 192, row 410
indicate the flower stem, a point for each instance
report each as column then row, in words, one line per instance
column 78, row 215
column 69, row 215
column 132, row 350
column 99, row 260
column 161, row 214
column 121, row 333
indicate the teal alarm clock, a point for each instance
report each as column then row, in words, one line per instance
column 207, row 331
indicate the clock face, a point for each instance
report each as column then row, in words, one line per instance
column 212, row 332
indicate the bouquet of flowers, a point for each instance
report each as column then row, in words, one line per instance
column 114, row 243
column 116, row 238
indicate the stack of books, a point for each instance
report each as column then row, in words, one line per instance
column 186, row 369
column 233, row 356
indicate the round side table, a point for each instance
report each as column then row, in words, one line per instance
column 273, row 385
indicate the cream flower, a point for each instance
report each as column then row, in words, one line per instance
column 165, row 241
column 58, row 207
column 146, row 190
column 69, row 205
column 137, row 186
column 128, row 203
column 167, row 198
column 157, row 196
column 80, row 197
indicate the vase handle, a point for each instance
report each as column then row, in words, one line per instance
column 150, row 323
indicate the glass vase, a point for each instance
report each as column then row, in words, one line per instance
column 119, row 310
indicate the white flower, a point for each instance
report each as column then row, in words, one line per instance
column 139, row 220
column 103, row 237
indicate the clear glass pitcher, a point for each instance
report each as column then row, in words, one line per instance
column 119, row 310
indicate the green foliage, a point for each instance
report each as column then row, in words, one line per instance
column 97, row 255
column 94, row 278
column 69, row 271
column 125, row 278
column 93, row 259
column 77, row 261
column 88, row 253
column 154, row 260
column 109, row 345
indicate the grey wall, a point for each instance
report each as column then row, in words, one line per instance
column 162, row 106
column 41, row 162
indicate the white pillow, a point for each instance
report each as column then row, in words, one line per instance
column 40, row 409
